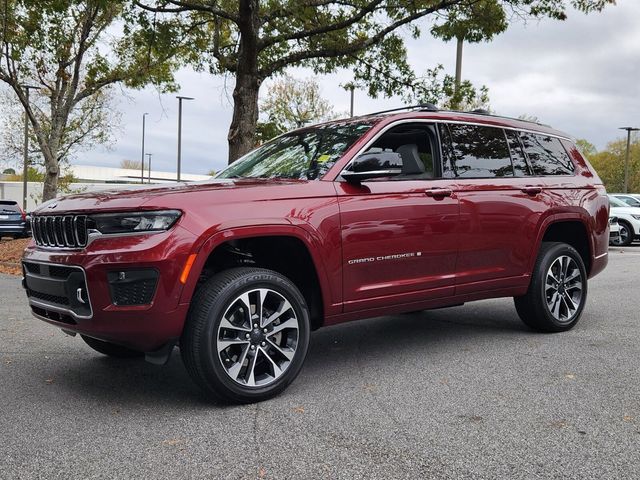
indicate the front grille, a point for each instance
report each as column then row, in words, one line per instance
column 59, row 271
column 57, row 288
column 60, row 231
column 48, row 298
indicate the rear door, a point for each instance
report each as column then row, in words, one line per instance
column 399, row 235
column 500, row 205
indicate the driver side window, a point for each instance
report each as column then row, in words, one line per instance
column 413, row 145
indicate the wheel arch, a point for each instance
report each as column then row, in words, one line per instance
column 569, row 229
column 293, row 252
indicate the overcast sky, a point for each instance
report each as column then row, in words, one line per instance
column 581, row 76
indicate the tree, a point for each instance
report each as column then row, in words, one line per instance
column 93, row 122
column 65, row 48
column 440, row 89
column 131, row 164
column 472, row 22
column 253, row 40
column 290, row 104
column 609, row 164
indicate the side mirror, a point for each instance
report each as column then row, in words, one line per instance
column 373, row 165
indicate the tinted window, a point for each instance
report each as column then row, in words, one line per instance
column 479, row 152
column 632, row 202
column 9, row 207
column 413, row 146
column 520, row 167
column 447, row 152
column 546, row 155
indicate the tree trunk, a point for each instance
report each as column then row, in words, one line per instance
column 242, row 130
column 245, row 116
column 51, row 174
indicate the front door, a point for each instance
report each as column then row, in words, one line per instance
column 399, row 235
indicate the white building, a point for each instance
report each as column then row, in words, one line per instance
column 91, row 179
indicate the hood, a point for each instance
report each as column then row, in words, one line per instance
column 224, row 190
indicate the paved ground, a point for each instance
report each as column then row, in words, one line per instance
column 465, row 392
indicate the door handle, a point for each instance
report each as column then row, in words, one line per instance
column 438, row 192
column 529, row 190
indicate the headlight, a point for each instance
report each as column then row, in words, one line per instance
column 637, row 217
column 134, row 222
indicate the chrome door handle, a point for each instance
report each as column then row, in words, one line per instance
column 532, row 190
column 438, row 192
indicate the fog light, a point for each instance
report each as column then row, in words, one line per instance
column 133, row 287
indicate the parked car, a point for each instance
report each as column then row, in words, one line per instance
column 13, row 221
column 628, row 219
column 614, row 231
column 630, row 199
column 376, row 215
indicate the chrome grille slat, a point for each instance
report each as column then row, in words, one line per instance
column 60, row 231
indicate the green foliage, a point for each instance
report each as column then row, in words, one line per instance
column 291, row 103
column 73, row 50
column 474, row 22
column 609, row 164
column 8, row 171
column 323, row 35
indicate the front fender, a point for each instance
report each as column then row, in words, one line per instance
column 274, row 227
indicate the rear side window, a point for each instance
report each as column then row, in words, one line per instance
column 478, row 151
column 546, row 155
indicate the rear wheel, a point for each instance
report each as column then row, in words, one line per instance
column 111, row 349
column 247, row 335
column 557, row 292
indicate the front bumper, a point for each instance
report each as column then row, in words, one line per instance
column 71, row 288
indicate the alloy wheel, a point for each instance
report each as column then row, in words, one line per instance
column 563, row 288
column 257, row 337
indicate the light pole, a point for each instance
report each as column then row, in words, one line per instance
column 25, row 168
column 180, row 99
column 459, row 44
column 626, row 159
column 149, row 157
column 142, row 161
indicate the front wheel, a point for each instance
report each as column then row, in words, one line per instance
column 246, row 336
column 557, row 292
column 625, row 238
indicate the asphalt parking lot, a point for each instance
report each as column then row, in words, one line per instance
column 465, row 392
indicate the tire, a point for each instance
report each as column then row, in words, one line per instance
column 224, row 345
column 111, row 349
column 625, row 239
column 557, row 292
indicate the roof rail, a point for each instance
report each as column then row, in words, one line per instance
column 482, row 111
column 429, row 107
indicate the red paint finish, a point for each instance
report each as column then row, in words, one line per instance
column 382, row 247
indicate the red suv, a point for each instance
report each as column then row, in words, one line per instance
column 375, row 215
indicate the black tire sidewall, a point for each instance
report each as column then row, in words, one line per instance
column 549, row 257
column 209, row 359
column 630, row 231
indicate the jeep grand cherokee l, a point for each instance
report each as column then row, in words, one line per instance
column 375, row 215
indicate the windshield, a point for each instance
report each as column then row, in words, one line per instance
column 617, row 203
column 306, row 154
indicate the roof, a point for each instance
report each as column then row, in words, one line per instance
column 477, row 116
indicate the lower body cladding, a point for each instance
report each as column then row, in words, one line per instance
column 132, row 306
